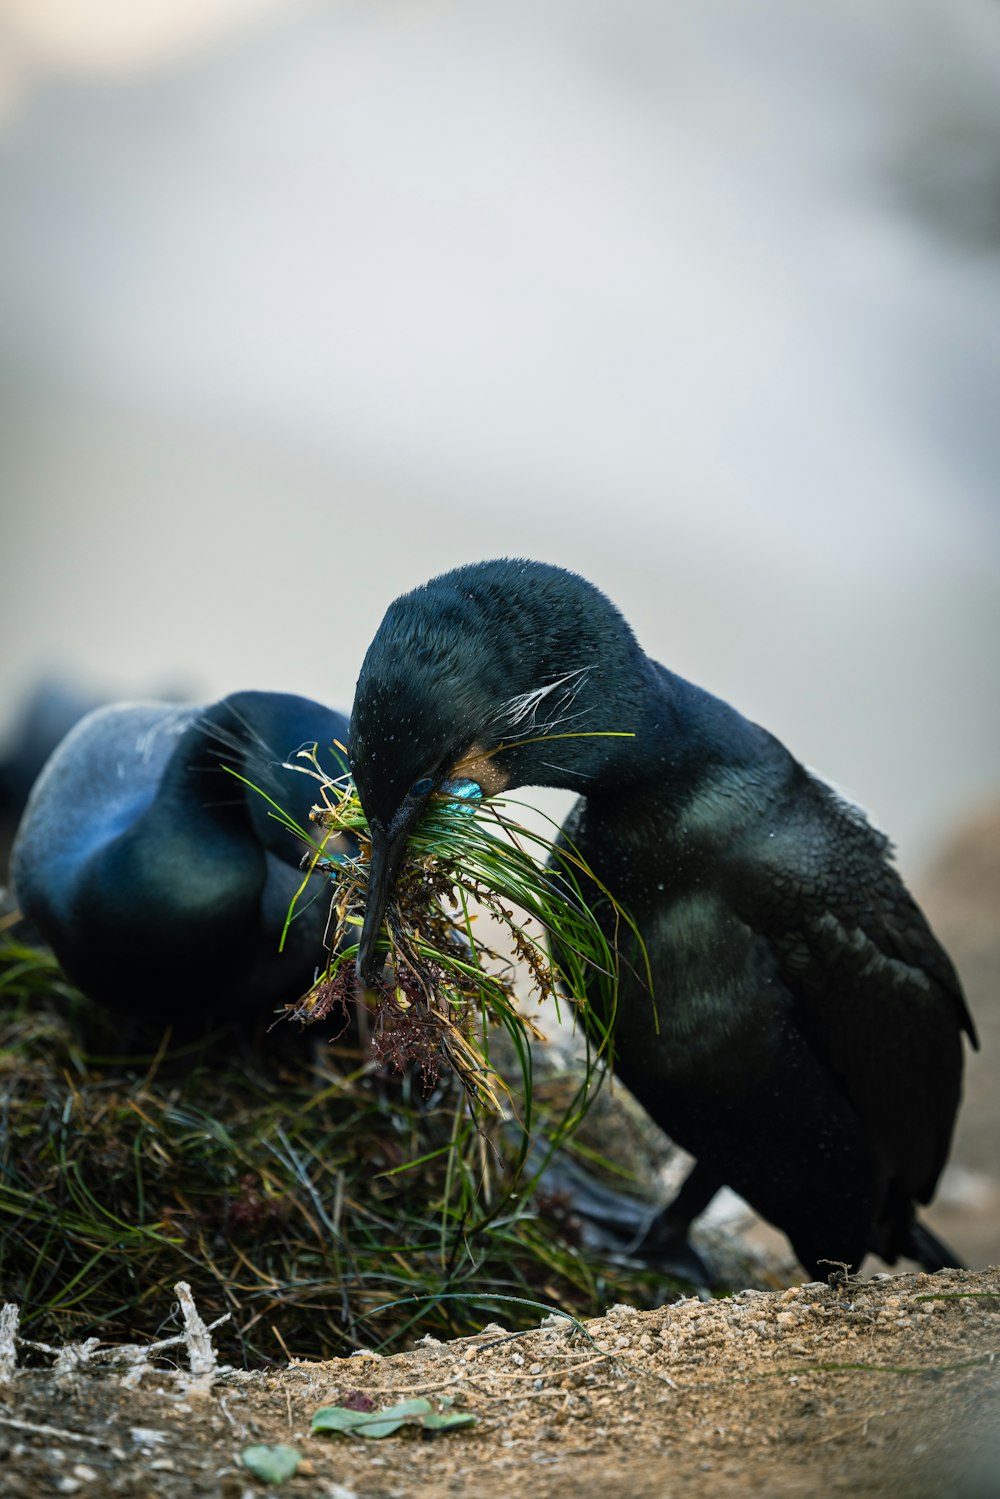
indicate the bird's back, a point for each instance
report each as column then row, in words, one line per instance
column 161, row 881
column 804, row 1030
column 98, row 781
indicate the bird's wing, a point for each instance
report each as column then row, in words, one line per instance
column 877, row 994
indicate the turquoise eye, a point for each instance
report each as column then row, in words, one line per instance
column 422, row 787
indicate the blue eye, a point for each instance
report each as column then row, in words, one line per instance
column 422, row 787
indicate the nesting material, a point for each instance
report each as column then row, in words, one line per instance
column 447, row 986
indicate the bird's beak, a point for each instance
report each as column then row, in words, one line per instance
column 387, row 851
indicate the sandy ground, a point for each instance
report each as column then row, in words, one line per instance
column 887, row 1386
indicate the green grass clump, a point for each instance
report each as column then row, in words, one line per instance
column 290, row 1183
column 448, row 986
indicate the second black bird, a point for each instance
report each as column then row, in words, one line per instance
column 803, row 1035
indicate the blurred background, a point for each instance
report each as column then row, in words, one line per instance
column 301, row 303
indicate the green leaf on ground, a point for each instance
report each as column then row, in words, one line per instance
column 273, row 1464
column 384, row 1422
column 446, row 1419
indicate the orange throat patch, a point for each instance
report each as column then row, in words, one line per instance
column 477, row 764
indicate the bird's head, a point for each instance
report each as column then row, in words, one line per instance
column 486, row 674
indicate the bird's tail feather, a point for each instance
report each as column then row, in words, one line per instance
column 928, row 1250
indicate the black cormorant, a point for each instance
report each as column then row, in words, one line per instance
column 803, row 1035
column 161, row 882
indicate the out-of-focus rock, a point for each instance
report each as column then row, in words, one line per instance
column 961, row 896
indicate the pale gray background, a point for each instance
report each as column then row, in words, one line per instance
column 702, row 300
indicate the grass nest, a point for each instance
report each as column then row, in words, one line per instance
column 330, row 1194
column 297, row 1186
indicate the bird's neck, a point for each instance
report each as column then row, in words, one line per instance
column 229, row 777
column 698, row 735
column 677, row 737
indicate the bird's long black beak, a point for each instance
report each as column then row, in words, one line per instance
column 385, row 857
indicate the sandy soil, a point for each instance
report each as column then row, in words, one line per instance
column 887, row 1386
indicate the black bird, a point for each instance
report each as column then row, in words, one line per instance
column 803, row 1036
column 161, row 882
